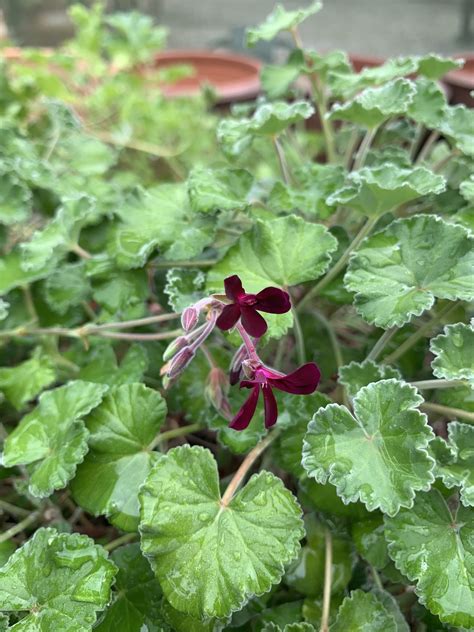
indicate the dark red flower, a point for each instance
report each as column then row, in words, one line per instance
column 303, row 381
column 246, row 306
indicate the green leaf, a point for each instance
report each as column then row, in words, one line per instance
column 454, row 353
column 434, row 66
column 121, row 291
column 23, row 382
column 12, row 274
column 458, row 125
column 137, row 603
column 358, row 374
column 306, row 574
column 280, row 20
column 276, row 80
column 101, row 365
column 346, row 83
column 369, row 540
column 455, row 460
column 295, row 413
column 283, row 251
column 387, row 435
column 213, row 190
column 374, row 191
column 373, row 106
column 60, row 235
column 398, row 272
column 3, row 309
column 434, row 548
column 466, row 189
column 192, row 540
column 182, row 622
column 158, row 218
column 324, row 498
column 429, row 103
column 183, row 287
column 289, row 627
column 15, row 199
column 53, row 438
column 66, row 287
column 119, row 459
column 269, row 119
column 361, row 612
column 62, row 580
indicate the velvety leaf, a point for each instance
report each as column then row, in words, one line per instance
column 358, row 374
column 219, row 189
column 101, row 365
column 277, row 79
column 280, row 20
column 269, row 119
column 192, row 540
column 361, row 612
column 466, row 189
column 23, row 382
column 12, row 274
column 386, row 435
column 398, row 272
column 66, row 287
column 373, row 106
column 53, row 438
column 158, row 218
column 136, row 604
column 183, row 622
column 454, row 353
column 121, row 291
column 60, row 580
column 435, row 66
column 6, row 549
column 324, row 498
column 435, row 548
column 119, row 459
column 346, row 83
column 184, row 287
column 455, row 460
column 15, row 199
column 60, row 235
column 370, row 542
column 290, row 627
column 3, row 309
column 429, row 103
column 374, row 191
column 458, row 126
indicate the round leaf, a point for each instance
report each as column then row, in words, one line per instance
column 210, row 558
column 23, row 382
column 435, row 548
column 280, row 20
column 358, row 374
column 60, row 579
column 378, row 455
column 454, row 353
column 361, row 612
column 119, row 459
column 398, row 272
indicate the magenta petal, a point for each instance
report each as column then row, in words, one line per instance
column 271, row 409
column 273, row 301
column 233, row 287
column 245, row 414
column 303, row 381
column 229, row 316
column 252, row 322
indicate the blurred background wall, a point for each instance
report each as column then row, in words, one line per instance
column 374, row 27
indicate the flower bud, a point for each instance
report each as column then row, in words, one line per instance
column 174, row 346
column 216, row 390
column 189, row 318
column 180, row 362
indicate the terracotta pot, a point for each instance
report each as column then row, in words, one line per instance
column 360, row 62
column 461, row 81
column 233, row 77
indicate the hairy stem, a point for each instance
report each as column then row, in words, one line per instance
column 381, row 342
column 299, row 338
column 29, row 303
column 182, row 431
column 447, row 411
column 364, row 148
column 434, row 384
column 340, row 264
column 246, row 464
column 202, row 263
column 327, row 581
column 251, row 350
column 281, row 160
column 18, row 528
column 123, row 539
column 13, row 510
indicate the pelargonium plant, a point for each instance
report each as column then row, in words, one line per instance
column 171, row 278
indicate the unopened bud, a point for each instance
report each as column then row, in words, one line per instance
column 236, row 364
column 180, row 362
column 175, row 346
column 189, row 318
column 216, row 390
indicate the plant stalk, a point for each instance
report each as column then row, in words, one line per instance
column 327, row 581
column 18, row 528
column 182, row 431
column 381, row 342
column 447, row 411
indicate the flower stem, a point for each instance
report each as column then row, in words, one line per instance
column 203, row 263
column 413, row 339
column 80, row 252
column 18, row 528
column 123, row 539
column 125, row 335
column 381, row 342
column 327, row 581
column 429, row 384
column 281, row 160
column 376, row 576
column 299, row 338
column 246, row 464
column 251, row 350
column 138, row 322
column 448, row 411
column 364, row 148
column 182, row 431
column 336, row 347
column 13, row 510
column 29, row 303
column 340, row 264
column 425, row 150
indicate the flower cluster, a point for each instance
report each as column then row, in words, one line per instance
column 241, row 310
